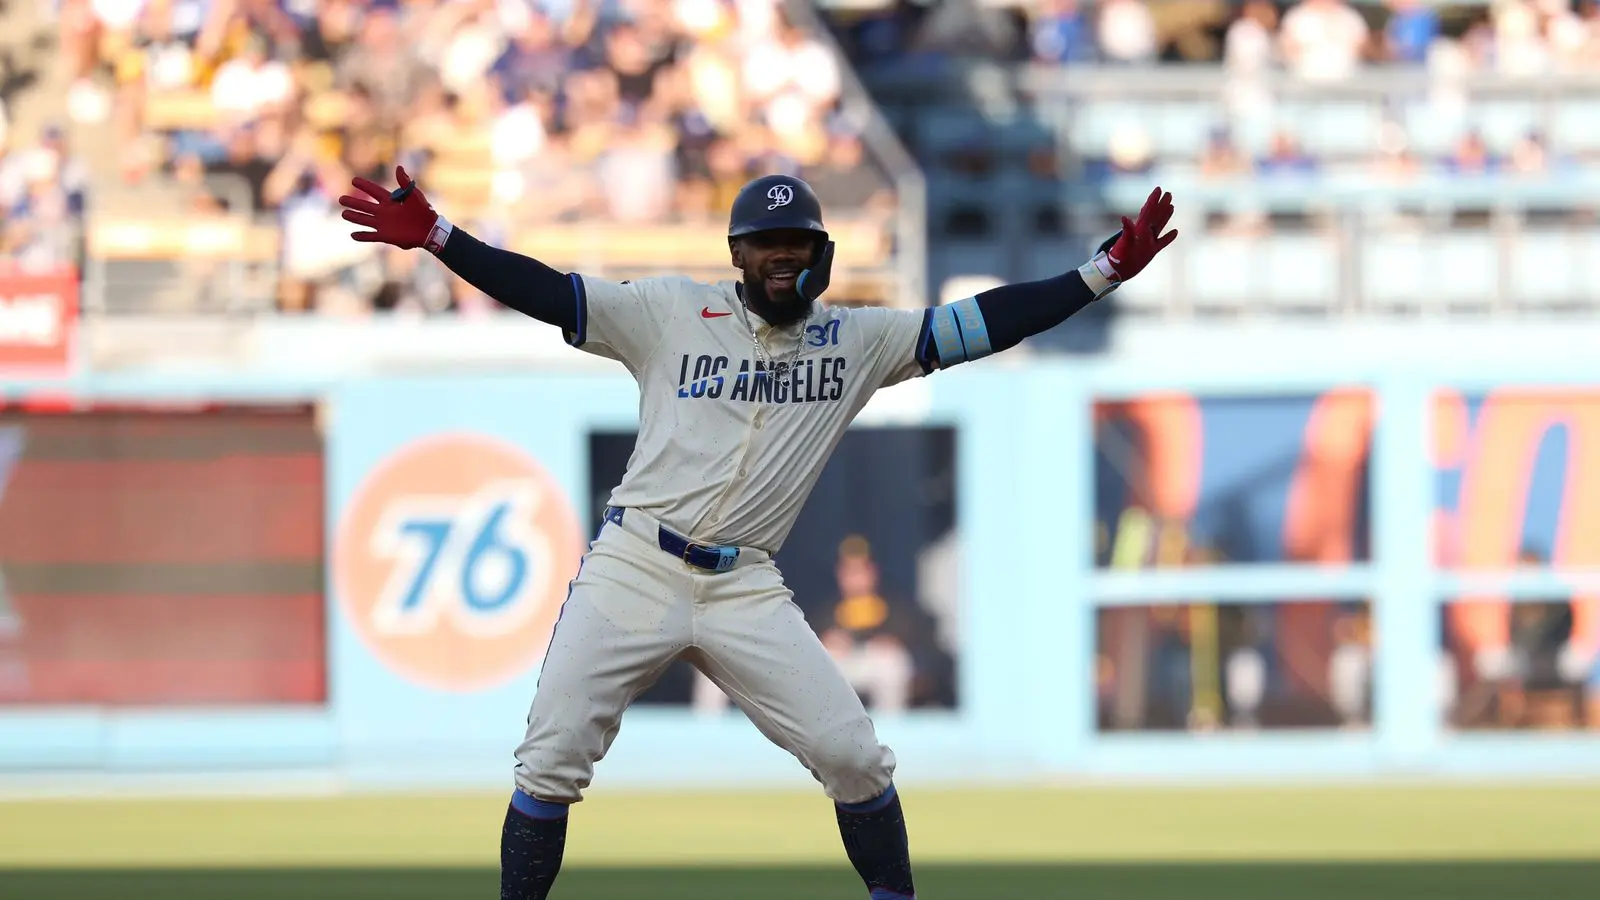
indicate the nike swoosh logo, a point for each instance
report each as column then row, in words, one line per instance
column 706, row 313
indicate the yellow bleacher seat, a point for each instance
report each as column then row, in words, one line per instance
column 859, row 245
column 461, row 189
column 863, row 273
column 326, row 109
column 470, row 147
column 185, row 110
column 220, row 237
column 316, row 76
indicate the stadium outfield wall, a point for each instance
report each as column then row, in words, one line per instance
column 429, row 671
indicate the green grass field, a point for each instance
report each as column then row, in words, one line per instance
column 1371, row 843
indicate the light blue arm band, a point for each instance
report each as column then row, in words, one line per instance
column 960, row 333
column 974, row 331
column 947, row 337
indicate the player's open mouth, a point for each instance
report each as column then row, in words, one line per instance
column 782, row 278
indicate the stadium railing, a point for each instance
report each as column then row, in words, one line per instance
column 910, row 238
column 139, row 265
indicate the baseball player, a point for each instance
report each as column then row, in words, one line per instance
column 746, row 386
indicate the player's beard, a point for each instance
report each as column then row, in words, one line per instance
column 780, row 308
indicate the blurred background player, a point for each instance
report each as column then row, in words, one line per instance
column 863, row 636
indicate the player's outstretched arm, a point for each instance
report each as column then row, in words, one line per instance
column 403, row 218
column 1003, row 317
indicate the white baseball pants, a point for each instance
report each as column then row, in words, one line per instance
column 634, row 609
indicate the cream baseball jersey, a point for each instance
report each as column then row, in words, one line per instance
column 737, row 418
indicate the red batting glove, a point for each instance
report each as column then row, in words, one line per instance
column 407, row 223
column 1140, row 241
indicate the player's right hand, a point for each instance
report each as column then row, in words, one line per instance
column 1133, row 247
column 402, row 218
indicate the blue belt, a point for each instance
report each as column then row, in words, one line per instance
column 711, row 557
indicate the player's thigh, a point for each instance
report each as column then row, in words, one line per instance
column 625, row 620
column 755, row 643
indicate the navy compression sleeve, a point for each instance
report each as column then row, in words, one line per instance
column 1017, row 311
column 1000, row 318
column 524, row 284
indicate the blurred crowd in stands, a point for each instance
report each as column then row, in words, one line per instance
column 1259, row 124
column 42, row 196
column 516, row 114
column 511, row 113
column 633, row 110
column 1314, row 39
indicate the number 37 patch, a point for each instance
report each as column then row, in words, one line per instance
column 824, row 335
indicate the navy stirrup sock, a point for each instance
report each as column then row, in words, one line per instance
column 874, row 835
column 531, row 844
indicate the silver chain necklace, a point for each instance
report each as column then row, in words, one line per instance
column 776, row 370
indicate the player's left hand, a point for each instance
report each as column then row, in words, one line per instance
column 1132, row 248
column 402, row 218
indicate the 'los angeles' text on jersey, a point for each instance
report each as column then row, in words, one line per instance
column 813, row 380
column 737, row 417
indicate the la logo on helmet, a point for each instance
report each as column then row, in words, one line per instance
column 780, row 195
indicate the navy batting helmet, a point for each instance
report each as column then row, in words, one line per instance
column 772, row 202
column 776, row 201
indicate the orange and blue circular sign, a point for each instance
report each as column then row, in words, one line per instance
column 452, row 559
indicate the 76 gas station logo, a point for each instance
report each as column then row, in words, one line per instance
column 452, row 558
column 473, row 559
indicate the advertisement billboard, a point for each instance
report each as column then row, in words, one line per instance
column 161, row 558
column 452, row 559
column 38, row 315
column 1518, row 487
column 1190, row 480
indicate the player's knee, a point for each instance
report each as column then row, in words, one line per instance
column 851, row 763
column 550, row 777
column 555, row 764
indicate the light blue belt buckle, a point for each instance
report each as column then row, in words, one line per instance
column 726, row 556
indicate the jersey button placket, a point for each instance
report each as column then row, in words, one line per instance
column 739, row 474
